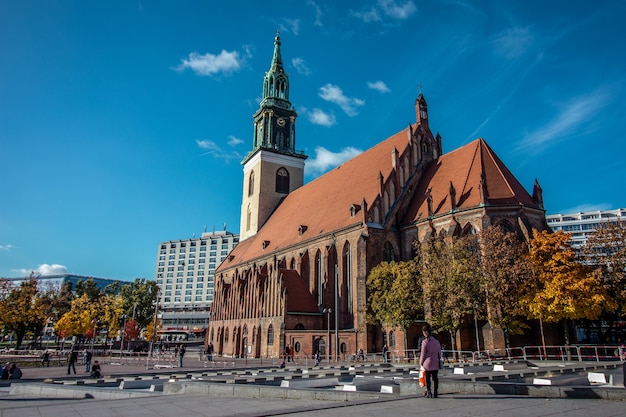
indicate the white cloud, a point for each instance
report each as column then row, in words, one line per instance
column 368, row 16
column 300, row 66
column 334, row 94
column 318, row 12
column 290, row 26
column 234, row 141
column 216, row 151
column 43, row 270
column 325, row 160
column 588, row 207
column 208, row 64
column 513, row 42
column 379, row 86
column 392, row 9
column 6, row 247
column 320, row 117
column 387, row 8
column 566, row 122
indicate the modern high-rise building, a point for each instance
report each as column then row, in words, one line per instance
column 184, row 274
column 581, row 225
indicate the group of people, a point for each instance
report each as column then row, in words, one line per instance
column 94, row 370
column 11, row 371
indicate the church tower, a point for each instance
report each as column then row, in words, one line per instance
column 272, row 169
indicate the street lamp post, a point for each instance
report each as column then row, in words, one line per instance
column 328, row 312
column 336, row 313
column 154, row 328
column 95, row 326
column 123, row 331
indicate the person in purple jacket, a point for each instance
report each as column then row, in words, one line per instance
column 429, row 360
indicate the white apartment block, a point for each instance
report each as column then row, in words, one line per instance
column 581, row 225
column 184, row 274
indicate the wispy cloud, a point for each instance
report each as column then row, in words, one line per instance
column 320, row 117
column 300, row 66
column 290, row 26
column 379, row 86
column 6, row 247
column 513, row 42
column 588, row 207
column 334, row 94
column 325, row 160
column 226, row 62
column 386, row 9
column 316, row 11
column 43, row 270
column 571, row 115
column 396, row 9
column 234, row 141
column 213, row 149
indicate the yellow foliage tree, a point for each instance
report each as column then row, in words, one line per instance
column 80, row 318
column 561, row 288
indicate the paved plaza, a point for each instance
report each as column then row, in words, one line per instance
column 456, row 405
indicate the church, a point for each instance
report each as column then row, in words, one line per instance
column 297, row 278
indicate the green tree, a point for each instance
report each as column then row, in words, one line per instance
column 138, row 300
column 395, row 295
column 450, row 271
column 89, row 288
column 505, row 270
column 562, row 289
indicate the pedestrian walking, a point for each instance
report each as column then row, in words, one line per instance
column 181, row 354
column 71, row 361
column 429, row 360
column 87, row 358
column 45, row 358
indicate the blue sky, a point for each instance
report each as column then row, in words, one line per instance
column 123, row 123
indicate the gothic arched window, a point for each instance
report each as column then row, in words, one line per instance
column 389, row 254
column 270, row 335
column 282, row 181
column 251, row 184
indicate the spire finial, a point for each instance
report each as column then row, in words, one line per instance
column 419, row 88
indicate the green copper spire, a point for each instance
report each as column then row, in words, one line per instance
column 275, row 120
column 276, row 83
column 277, row 60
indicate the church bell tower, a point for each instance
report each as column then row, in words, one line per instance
column 273, row 168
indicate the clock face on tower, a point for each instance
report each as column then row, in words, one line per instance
column 280, row 122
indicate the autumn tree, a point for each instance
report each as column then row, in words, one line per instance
column 80, row 320
column 17, row 308
column 450, row 272
column 606, row 250
column 505, row 271
column 561, row 289
column 395, row 295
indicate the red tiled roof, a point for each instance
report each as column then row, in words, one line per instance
column 323, row 205
column 464, row 167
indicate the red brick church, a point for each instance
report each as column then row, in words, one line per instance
column 298, row 275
